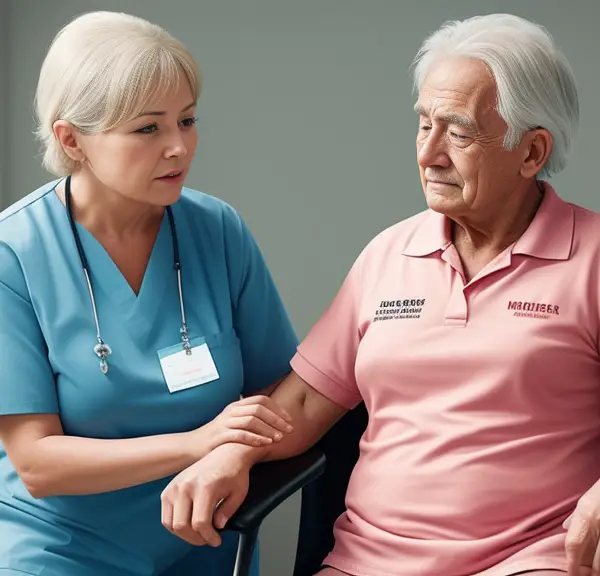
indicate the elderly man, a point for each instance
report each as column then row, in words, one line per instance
column 471, row 332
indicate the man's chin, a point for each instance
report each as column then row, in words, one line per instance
column 440, row 203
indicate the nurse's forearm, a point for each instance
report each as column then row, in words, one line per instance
column 67, row 465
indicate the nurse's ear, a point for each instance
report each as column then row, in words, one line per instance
column 68, row 137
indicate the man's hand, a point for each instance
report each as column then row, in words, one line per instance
column 582, row 544
column 205, row 495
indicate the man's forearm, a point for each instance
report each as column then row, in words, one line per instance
column 312, row 416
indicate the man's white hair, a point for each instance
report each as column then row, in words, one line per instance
column 101, row 70
column 534, row 81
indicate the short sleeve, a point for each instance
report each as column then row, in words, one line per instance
column 26, row 380
column 267, row 337
column 326, row 358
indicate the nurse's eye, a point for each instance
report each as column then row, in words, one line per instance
column 188, row 122
column 148, row 129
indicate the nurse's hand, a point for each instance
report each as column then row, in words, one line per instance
column 253, row 421
column 205, row 494
column 582, row 543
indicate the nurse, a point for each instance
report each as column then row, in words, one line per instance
column 136, row 314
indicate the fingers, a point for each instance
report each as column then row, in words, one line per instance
column 268, row 403
column 240, row 436
column 202, row 518
column 255, row 425
column 567, row 523
column 176, row 515
column 166, row 512
column 596, row 561
column 576, row 544
column 261, row 420
column 182, row 513
column 228, row 508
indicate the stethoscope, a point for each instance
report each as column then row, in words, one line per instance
column 102, row 350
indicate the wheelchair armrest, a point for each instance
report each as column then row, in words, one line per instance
column 273, row 482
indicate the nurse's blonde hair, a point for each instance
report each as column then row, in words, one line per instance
column 101, row 70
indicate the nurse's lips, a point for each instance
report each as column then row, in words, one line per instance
column 172, row 176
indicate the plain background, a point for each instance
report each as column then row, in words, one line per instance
column 306, row 126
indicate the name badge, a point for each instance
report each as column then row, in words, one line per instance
column 183, row 371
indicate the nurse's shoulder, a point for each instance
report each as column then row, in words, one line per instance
column 214, row 222
column 28, row 217
column 27, row 231
column 208, row 210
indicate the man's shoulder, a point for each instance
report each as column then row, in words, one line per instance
column 396, row 237
column 585, row 217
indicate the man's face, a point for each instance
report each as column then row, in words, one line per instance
column 465, row 169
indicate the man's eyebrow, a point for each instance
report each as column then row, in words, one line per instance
column 461, row 120
column 162, row 113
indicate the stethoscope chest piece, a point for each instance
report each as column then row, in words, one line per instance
column 103, row 351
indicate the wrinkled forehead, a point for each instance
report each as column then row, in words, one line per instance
column 458, row 87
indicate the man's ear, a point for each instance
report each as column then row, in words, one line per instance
column 537, row 147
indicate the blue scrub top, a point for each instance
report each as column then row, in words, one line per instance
column 47, row 365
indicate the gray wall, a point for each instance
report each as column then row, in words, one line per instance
column 4, row 61
column 306, row 126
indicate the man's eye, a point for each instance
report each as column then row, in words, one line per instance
column 425, row 128
column 459, row 136
column 148, row 129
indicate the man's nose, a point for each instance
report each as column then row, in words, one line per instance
column 432, row 152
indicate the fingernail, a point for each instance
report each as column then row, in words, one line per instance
column 278, row 435
column 289, row 428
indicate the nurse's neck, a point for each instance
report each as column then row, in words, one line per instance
column 104, row 212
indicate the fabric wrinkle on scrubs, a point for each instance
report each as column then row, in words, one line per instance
column 483, row 396
column 47, row 365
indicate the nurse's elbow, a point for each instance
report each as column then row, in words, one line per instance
column 24, row 437
column 36, row 491
column 35, row 476
column 34, row 483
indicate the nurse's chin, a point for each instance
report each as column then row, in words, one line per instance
column 164, row 197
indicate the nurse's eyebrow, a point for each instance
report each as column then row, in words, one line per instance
column 461, row 120
column 158, row 113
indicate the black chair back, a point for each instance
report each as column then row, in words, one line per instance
column 323, row 501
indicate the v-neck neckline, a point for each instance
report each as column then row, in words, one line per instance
column 137, row 310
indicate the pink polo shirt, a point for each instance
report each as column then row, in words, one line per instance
column 483, row 397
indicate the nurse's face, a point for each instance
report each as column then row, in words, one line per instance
column 148, row 158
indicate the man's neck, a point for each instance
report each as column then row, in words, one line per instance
column 504, row 227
